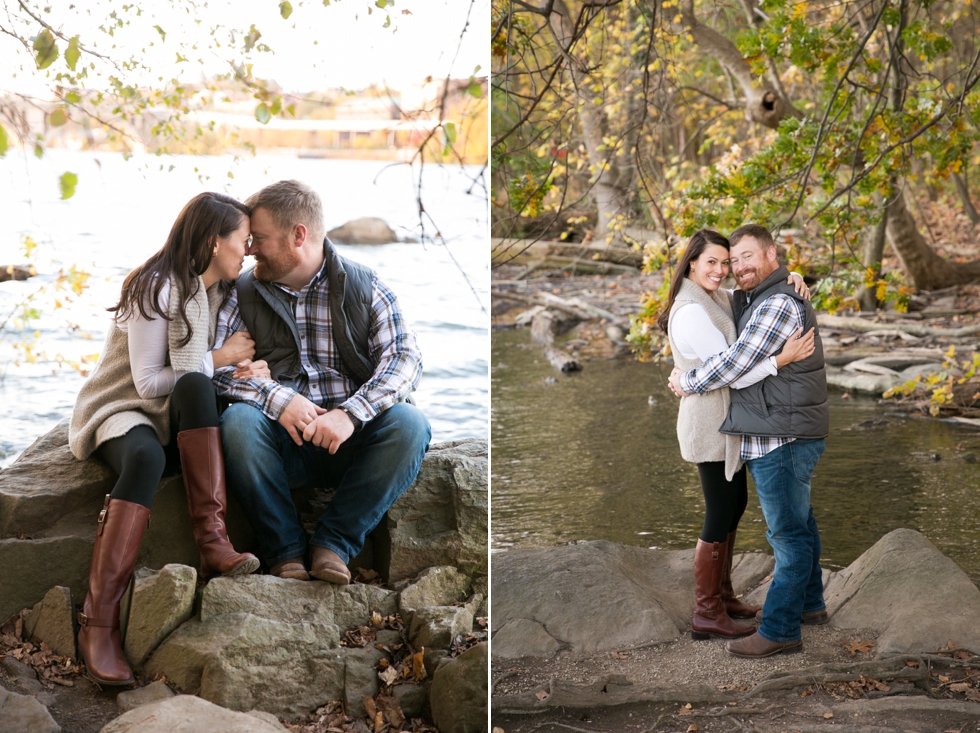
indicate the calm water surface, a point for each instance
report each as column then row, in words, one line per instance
column 588, row 457
column 123, row 210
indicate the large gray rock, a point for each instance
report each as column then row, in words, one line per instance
column 440, row 586
column 154, row 692
column 600, row 596
column 161, row 602
column 30, row 568
column 53, row 622
column 916, row 598
column 244, row 662
column 367, row 230
column 21, row 713
column 53, row 499
column 187, row 714
column 442, row 518
column 459, row 692
column 272, row 644
column 435, row 627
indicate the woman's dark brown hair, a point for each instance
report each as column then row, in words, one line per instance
column 184, row 257
column 695, row 248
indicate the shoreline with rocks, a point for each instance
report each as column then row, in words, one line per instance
column 404, row 646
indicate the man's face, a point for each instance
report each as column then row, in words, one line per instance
column 751, row 262
column 271, row 248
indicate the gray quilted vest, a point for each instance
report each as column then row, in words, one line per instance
column 793, row 402
column 269, row 318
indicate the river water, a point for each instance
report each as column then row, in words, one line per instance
column 123, row 210
column 588, row 457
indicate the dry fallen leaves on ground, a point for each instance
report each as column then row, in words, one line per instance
column 52, row 669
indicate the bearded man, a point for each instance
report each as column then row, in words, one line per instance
column 782, row 421
column 334, row 413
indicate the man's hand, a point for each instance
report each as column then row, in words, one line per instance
column 299, row 414
column 675, row 383
column 329, row 430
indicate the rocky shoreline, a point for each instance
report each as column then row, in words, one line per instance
column 405, row 647
column 606, row 630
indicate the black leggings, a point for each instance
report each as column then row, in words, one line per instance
column 725, row 501
column 138, row 457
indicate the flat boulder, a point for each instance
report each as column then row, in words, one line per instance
column 20, row 713
column 442, row 518
column 916, row 598
column 366, row 230
column 599, row 596
column 187, row 714
column 270, row 644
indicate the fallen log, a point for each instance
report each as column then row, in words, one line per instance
column 859, row 324
column 14, row 272
column 505, row 250
column 562, row 361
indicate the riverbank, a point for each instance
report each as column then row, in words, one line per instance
column 913, row 353
column 899, row 648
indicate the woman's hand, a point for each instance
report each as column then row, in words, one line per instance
column 238, row 347
column 798, row 348
column 796, row 280
column 248, row 369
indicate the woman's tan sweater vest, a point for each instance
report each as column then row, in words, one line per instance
column 700, row 415
column 108, row 405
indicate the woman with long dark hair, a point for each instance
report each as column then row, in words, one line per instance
column 149, row 405
column 699, row 322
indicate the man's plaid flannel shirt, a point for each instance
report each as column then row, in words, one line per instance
column 772, row 324
column 393, row 351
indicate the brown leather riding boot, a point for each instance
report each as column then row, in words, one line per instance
column 117, row 541
column 710, row 617
column 203, row 465
column 735, row 608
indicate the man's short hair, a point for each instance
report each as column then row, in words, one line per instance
column 762, row 235
column 291, row 203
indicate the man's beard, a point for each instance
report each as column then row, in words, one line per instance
column 273, row 268
column 748, row 280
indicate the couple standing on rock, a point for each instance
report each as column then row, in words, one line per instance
column 324, row 402
column 749, row 365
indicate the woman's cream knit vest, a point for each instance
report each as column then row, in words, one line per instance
column 700, row 416
column 108, row 405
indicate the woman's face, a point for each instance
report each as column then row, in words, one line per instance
column 711, row 267
column 230, row 256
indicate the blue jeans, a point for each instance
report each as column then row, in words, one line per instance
column 782, row 481
column 371, row 469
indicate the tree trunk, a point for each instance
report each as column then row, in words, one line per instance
column 763, row 104
column 925, row 269
column 874, row 249
column 612, row 181
column 964, row 192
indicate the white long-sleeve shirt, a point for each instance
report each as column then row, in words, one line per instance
column 148, row 349
column 695, row 336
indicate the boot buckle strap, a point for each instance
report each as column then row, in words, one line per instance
column 84, row 620
column 211, row 537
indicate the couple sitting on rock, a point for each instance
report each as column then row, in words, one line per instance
column 323, row 403
column 754, row 394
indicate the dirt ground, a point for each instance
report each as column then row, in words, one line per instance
column 697, row 686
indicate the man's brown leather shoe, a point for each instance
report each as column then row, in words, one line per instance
column 756, row 647
column 815, row 618
column 291, row 569
column 327, row 565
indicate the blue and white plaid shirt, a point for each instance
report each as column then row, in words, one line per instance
column 772, row 324
column 393, row 351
